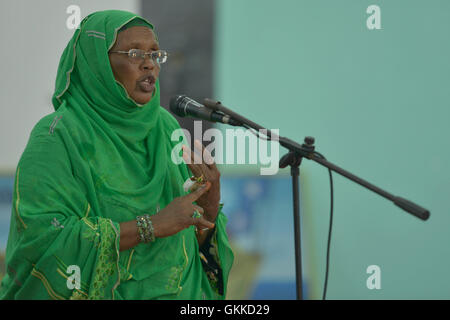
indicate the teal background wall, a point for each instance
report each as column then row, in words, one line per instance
column 377, row 102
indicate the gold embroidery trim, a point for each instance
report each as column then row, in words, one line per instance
column 118, row 256
column 46, row 284
column 186, row 264
column 89, row 224
column 185, row 253
column 87, row 210
column 129, row 262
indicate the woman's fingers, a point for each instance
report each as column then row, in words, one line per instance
column 202, row 223
column 200, row 157
column 211, row 167
column 188, row 158
column 193, row 196
column 191, row 157
column 206, row 155
column 199, row 209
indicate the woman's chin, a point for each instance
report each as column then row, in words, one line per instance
column 142, row 98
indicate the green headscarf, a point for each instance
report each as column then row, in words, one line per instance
column 101, row 159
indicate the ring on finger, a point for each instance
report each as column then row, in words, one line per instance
column 193, row 183
column 199, row 180
column 196, row 214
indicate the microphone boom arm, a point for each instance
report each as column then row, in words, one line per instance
column 307, row 151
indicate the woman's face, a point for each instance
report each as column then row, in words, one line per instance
column 137, row 78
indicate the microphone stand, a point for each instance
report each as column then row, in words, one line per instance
column 293, row 159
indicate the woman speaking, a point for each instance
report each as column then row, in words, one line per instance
column 99, row 208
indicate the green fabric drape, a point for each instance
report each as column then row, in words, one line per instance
column 100, row 159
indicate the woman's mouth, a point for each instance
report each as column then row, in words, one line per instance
column 147, row 85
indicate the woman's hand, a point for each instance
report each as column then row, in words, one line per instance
column 202, row 163
column 177, row 215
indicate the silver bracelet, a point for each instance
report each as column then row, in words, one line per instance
column 145, row 228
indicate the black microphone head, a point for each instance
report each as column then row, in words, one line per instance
column 176, row 105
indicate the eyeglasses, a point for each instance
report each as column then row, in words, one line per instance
column 138, row 55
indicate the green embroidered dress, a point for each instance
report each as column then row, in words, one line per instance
column 101, row 159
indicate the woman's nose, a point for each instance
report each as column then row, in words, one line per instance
column 149, row 63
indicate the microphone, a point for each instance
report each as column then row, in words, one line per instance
column 184, row 106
